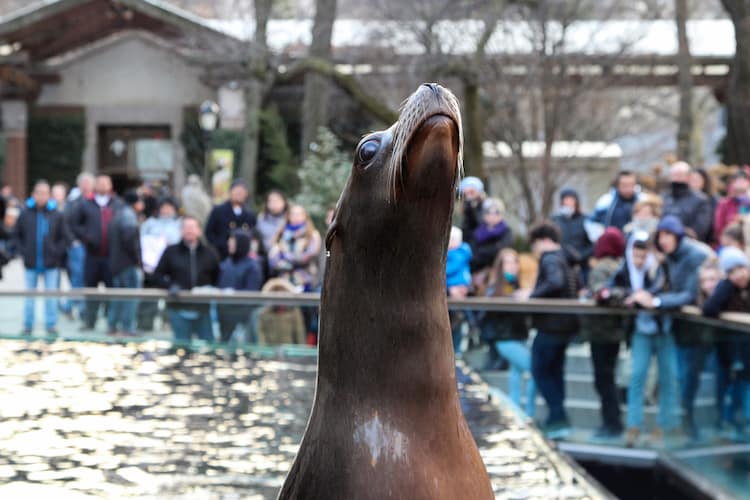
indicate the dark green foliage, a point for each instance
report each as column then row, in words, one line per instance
column 279, row 165
column 55, row 147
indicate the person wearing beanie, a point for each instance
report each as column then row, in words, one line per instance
column 605, row 333
column 473, row 194
column 691, row 207
column 492, row 235
column 232, row 215
column 125, row 262
column 575, row 242
column 683, row 259
column 732, row 294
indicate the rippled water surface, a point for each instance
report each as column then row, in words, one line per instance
column 87, row 420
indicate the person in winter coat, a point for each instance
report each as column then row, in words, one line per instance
column 732, row 294
column 279, row 325
column 641, row 272
column 92, row 226
column 230, row 216
column 294, row 253
column 575, row 240
column 692, row 208
column 273, row 217
column 40, row 238
column 615, row 208
column 239, row 272
column 507, row 333
column 195, row 200
column 125, row 263
column 683, row 259
column 735, row 204
column 186, row 265
column 554, row 331
column 492, row 235
column 457, row 280
column 76, row 255
column 606, row 333
column 472, row 191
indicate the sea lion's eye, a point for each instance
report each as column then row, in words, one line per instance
column 368, row 150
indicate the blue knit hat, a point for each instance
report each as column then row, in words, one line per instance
column 671, row 224
column 731, row 257
column 471, row 182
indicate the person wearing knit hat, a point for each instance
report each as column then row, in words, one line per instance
column 605, row 333
column 731, row 258
column 472, row 191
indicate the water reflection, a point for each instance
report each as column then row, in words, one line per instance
column 126, row 421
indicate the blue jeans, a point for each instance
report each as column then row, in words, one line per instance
column 691, row 359
column 663, row 347
column 548, row 368
column 122, row 312
column 76, row 272
column 51, row 282
column 517, row 353
column 184, row 323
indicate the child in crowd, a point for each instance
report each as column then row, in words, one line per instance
column 280, row 324
column 641, row 271
column 238, row 272
column 507, row 333
column 458, row 280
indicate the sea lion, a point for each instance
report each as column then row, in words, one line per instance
column 386, row 421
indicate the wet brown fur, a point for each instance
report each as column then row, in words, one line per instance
column 386, row 421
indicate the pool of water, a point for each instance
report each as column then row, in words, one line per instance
column 91, row 420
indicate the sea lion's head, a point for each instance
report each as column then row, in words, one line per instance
column 403, row 179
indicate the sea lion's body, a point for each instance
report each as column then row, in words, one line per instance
column 386, row 421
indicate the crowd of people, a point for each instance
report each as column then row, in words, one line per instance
column 654, row 252
column 147, row 238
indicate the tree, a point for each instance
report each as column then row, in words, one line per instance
column 738, row 98
column 323, row 176
column 684, row 62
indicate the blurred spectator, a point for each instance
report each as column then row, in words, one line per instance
column 692, row 208
column 554, row 332
column 182, row 267
column 507, row 333
column 280, row 324
column 92, row 224
column 273, row 217
column 733, row 236
column 492, row 235
column 232, row 215
column 639, row 274
column 701, row 182
column 458, row 280
column 125, row 263
column 683, row 259
column 10, row 218
column 195, row 200
column 294, row 252
column 733, row 294
column 238, row 272
column 156, row 233
column 735, row 205
column 6, row 192
column 40, row 237
column 615, row 208
column 472, row 190
column 606, row 332
column 59, row 194
column 150, row 200
column 646, row 215
column 575, row 240
column 76, row 260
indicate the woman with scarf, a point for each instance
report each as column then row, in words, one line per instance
column 294, row 253
column 492, row 235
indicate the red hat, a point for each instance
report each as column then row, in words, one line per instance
column 610, row 244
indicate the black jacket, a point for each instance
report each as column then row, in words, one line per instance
column 86, row 224
column 693, row 208
column 55, row 242
column 222, row 221
column 575, row 241
column 555, row 280
column 176, row 267
column 124, row 241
